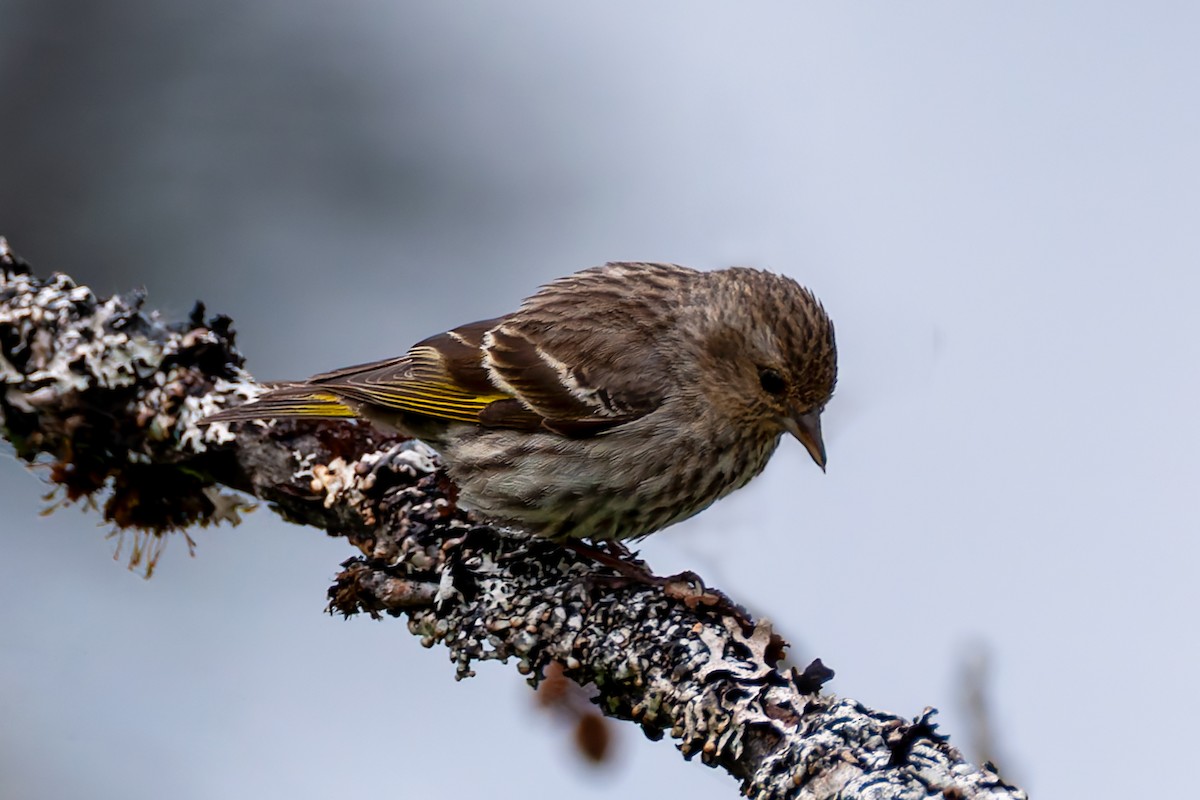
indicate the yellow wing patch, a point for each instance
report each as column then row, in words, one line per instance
column 282, row 402
column 315, row 404
column 421, row 386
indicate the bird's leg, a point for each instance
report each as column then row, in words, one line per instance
column 618, row 549
column 686, row 587
column 622, row 561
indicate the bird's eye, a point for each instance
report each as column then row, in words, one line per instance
column 772, row 382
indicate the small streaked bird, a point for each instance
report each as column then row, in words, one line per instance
column 613, row 403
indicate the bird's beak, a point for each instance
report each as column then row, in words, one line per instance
column 807, row 428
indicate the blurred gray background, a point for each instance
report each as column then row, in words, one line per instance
column 997, row 202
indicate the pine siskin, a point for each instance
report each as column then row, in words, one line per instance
column 613, row 403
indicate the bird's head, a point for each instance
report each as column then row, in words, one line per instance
column 770, row 349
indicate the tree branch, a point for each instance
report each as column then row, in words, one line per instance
column 109, row 396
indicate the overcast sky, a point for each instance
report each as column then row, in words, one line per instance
column 997, row 203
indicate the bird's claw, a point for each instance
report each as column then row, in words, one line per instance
column 686, row 587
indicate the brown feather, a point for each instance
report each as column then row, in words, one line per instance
column 521, row 365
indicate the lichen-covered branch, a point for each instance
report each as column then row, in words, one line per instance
column 109, row 396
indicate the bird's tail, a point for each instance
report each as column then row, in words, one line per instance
column 286, row 401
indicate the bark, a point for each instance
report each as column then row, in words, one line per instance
column 110, row 395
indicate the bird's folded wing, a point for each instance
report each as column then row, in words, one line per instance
column 489, row 373
column 495, row 374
